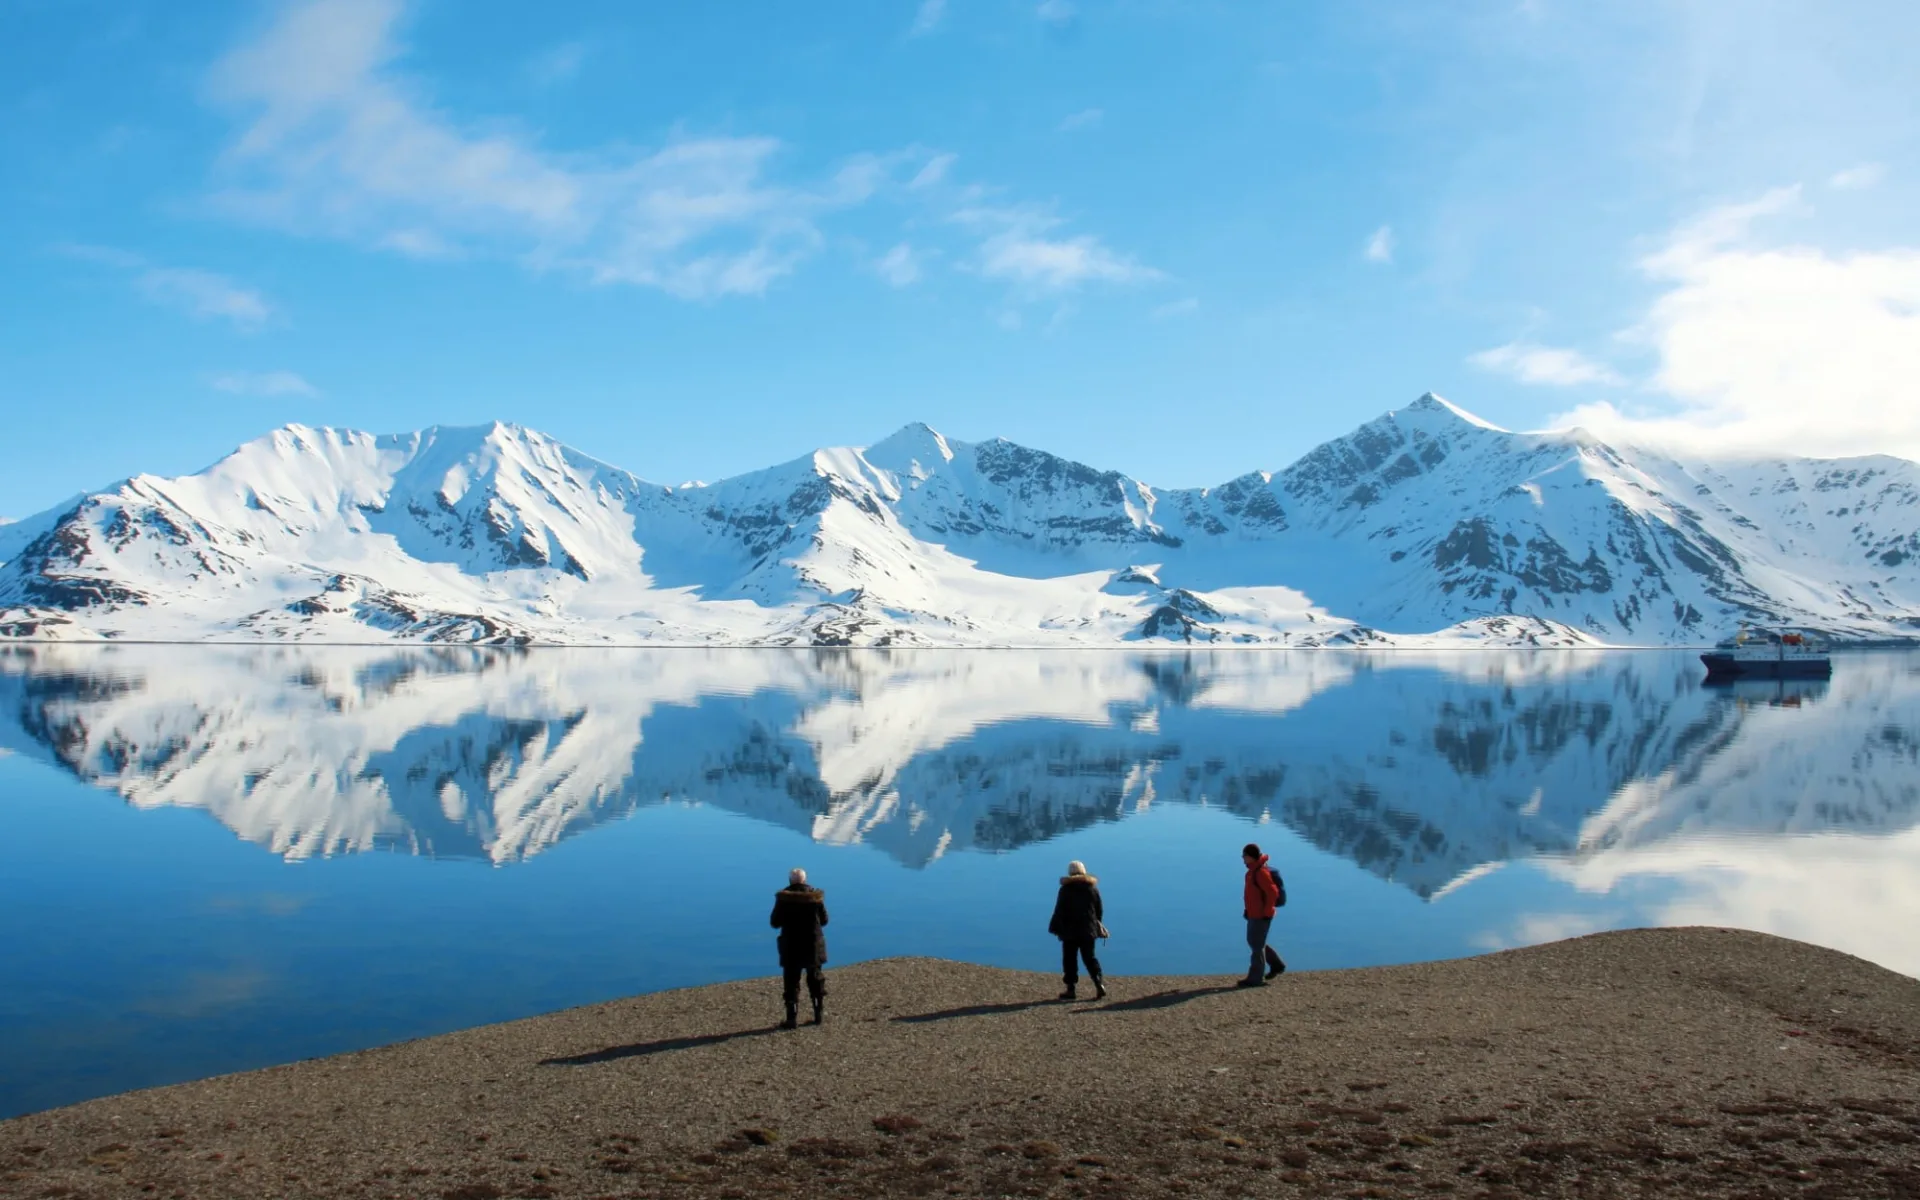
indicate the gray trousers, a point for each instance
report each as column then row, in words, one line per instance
column 1264, row 955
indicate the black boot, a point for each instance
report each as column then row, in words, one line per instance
column 793, row 1015
column 1099, row 988
column 1070, row 993
column 819, row 1008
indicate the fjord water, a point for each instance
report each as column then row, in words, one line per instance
column 224, row 857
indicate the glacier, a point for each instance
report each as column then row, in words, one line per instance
column 1426, row 527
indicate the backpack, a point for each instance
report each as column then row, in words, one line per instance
column 1281, row 884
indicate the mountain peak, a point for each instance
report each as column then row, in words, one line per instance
column 912, row 450
column 1430, row 403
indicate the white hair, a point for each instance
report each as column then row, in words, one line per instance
column 1076, row 867
column 797, row 876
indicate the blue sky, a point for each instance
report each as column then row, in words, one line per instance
column 1180, row 239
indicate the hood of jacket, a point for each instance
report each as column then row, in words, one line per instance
column 802, row 892
column 1089, row 880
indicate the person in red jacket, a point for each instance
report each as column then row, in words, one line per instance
column 1262, row 897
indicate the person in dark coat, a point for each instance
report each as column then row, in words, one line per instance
column 1077, row 914
column 800, row 914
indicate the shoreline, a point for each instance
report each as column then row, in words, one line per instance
column 1697, row 1062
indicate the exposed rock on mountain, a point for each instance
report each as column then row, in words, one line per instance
column 1426, row 526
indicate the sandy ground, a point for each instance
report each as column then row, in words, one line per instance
column 1689, row 1062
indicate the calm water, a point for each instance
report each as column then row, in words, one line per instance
column 223, row 857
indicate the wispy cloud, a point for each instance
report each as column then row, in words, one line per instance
column 1185, row 306
column 206, row 295
column 1768, row 347
column 338, row 142
column 1056, row 12
column 1086, row 118
column 1706, row 236
column 899, row 266
column 1380, row 245
column 931, row 13
column 557, row 64
column 933, row 173
column 261, row 383
column 419, row 243
column 1852, row 179
column 1020, row 246
column 1549, row 365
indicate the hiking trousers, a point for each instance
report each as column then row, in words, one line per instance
column 1070, row 954
column 790, row 981
column 1264, row 956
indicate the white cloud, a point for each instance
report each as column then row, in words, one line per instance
column 206, row 295
column 557, row 64
column 1865, row 175
column 1056, row 12
column 1019, row 243
column 338, row 143
column 1380, row 245
column 1086, row 118
column 419, row 243
column 928, row 18
column 1706, row 235
column 899, row 266
column 261, row 383
column 1020, row 248
column 1549, row 365
column 1775, row 348
column 1177, row 308
column 934, row 172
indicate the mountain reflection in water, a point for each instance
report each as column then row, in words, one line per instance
column 1421, row 805
column 1421, row 768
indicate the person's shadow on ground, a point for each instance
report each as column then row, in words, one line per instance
column 1153, row 1000
column 641, row 1049
column 973, row 1010
column 1165, row 999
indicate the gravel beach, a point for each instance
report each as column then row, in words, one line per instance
column 1684, row 1062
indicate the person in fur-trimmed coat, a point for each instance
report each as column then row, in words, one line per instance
column 800, row 914
column 1077, row 914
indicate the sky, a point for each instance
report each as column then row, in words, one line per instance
column 1182, row 239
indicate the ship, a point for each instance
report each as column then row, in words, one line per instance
column 1768, row 654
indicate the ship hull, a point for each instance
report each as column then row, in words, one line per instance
column 1723, row 665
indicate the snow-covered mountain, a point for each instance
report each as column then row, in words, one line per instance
column 1426, row 526
column 1423, row 768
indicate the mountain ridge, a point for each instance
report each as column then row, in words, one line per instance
column 1424, row 526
